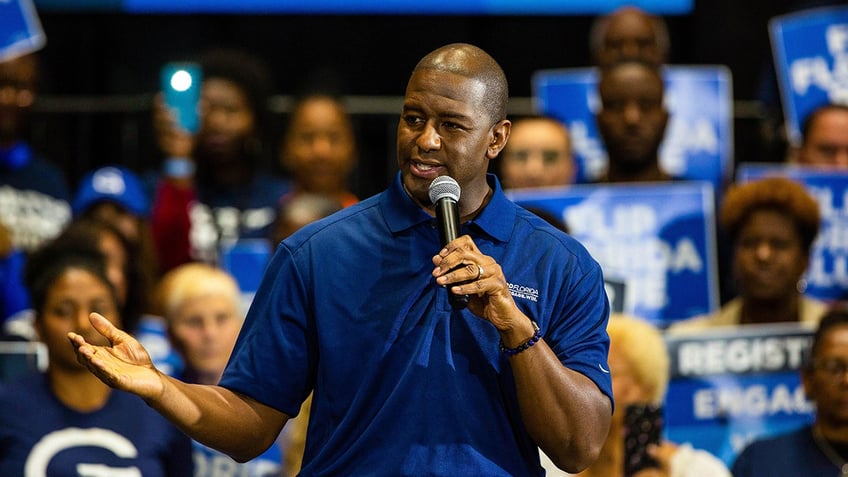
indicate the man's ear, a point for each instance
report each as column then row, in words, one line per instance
column 666, row 116
column 794, row 154
column 498, row 137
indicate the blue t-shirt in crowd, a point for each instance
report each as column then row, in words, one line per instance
column 794, row 454
column 34, row 197
column 404, row 385
column 40, row 436
column 223, row 215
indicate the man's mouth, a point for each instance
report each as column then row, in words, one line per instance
column 426, row 170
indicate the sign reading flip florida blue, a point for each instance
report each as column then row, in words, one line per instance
column 20, row 29
column 810, row 50
column 827, row 273
column 735, row 384
column 657, row 239
column 699, row 136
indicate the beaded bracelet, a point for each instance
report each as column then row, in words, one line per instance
column 537, row 335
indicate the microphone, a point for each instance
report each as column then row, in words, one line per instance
column 444, row 193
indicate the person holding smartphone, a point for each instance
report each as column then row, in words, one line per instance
column 639, row 365
column 213, row 189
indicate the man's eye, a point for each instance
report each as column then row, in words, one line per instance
column 649, row 104
column 613, row 105
column 781, row 244
column 412, row 120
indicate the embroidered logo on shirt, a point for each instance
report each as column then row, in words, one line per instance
column 521, row 291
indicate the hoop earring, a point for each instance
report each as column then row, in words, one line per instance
column 801, row 286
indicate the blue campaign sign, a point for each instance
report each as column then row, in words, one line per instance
column 656, row 239
column 699, row 137
column 20, row 29
column 827, row 274
column 810, row 50
column 732, row 385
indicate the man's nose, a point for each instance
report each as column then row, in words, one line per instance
column 429, row 139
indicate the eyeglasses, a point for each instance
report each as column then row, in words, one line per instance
column 833, row 368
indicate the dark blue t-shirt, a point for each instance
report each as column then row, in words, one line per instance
column 41, row 436
column 404, row 385
column 794, row 454
column 34, row 199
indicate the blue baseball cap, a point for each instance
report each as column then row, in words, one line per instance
column 113, row 184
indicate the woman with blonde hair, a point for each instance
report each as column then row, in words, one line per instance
column 202, row 306
column 640, row 368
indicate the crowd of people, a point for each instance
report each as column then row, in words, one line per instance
column 157, row 367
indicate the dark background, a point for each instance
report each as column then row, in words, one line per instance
column 101, row 69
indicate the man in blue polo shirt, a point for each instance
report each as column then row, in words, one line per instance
column 354, row 308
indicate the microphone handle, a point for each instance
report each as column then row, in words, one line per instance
column 447, row 219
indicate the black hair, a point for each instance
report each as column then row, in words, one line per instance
column 85, row 233
column 45, row 265
column 306, row 96
column 836, row 315
column 248, row 72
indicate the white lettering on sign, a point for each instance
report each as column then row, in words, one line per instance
column 741, row 355
column 815, row 71
column 749, row 402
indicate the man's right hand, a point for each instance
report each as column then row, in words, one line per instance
column 124, row 364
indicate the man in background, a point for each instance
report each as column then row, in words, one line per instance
column 538, row 154
column 824, row 138
column 632, row 120
column 34, row 195
column 629, row 33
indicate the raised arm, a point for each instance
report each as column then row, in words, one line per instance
column 564, row 411
column 215, row 416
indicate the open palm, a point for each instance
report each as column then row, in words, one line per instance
column 124, row 364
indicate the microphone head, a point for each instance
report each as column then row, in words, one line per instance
column 444, row 187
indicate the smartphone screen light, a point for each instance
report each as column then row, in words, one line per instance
column 181, row 80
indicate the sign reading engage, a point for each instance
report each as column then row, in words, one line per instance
column 699, row 137
column 656, row 239
column 731, row 385
column 811, row 58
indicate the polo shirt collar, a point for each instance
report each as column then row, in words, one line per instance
column 497, row 219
